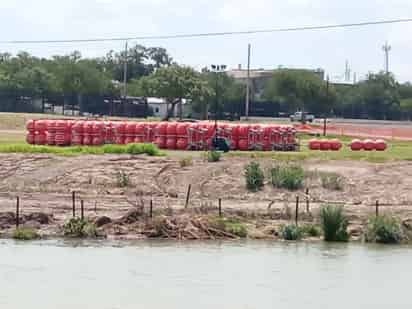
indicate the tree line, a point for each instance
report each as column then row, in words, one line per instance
column 151, row 71
column 378, row 96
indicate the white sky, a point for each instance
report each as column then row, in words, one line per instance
column 81, row 19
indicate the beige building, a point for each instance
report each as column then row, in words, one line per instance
column 259, row 77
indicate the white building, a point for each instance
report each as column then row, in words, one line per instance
column 159, row 107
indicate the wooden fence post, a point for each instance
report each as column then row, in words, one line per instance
column 297, row 210
column 220, row 207
column 188, row 195
column 307, row 200
column 82, row 209
column 74, row 203
column 17, row 212
column 151, row 209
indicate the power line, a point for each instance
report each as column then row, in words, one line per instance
column 212, row 34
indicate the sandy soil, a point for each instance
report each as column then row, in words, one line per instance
column 44, row 183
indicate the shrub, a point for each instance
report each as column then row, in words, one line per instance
column 254, row 176
column 232, row 226
column 122, row 179
column 213, row 156
column 334, row 223
column 25, row 233
column 291, row 232
column 145, row 148
column 77, row 227
column 331, row 181
column 287, row 176
column 186, row 161
column 311, row 230
column 384, row 229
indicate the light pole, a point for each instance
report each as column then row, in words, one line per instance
column 217, row 69
column 218, row 143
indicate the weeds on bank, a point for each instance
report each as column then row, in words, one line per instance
column 288, row 176
column 231, row 225
column 25, row 233
column 295, row 232
column 384, row 229
column 291, row 232
column 254, row 176
column 78, row 228
column 186, row 161
column 334, row 223
column 122, row 179
column 331, row 181
column 213, row 156
column 311, row 230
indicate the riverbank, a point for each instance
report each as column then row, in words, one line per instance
column 205, row 223
column 184, row 192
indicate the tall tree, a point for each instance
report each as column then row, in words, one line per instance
column 173, row 83
column 300, row 89
column 223, row 89
column 380, row 96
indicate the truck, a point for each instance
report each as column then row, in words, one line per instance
column 302, row 117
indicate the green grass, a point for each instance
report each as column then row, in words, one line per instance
column 230, row 225
column 25, row 233
column 334, row 223
column 288, row 176
column 213, row 156
column 186, row 161
column 397, row 150
column 331, row 181
column 135, row 149
column 291, row 232
column 384, row 229
column 311, row 230
column 254, row 176
column 78, row 228
column 122, row 179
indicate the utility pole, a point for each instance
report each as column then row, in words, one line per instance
column 248, row 84
column 386, row 48
column 125, row 73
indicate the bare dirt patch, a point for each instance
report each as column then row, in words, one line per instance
column 44, row 184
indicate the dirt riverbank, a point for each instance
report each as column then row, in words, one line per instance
column 44, row 184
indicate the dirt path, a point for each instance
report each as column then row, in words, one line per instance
column 45, row 182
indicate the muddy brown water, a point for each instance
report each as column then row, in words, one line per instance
column 252, row 274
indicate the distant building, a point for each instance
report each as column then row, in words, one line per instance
column 159, row 107
column 259, row 77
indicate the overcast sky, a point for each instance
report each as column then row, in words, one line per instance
column 81, row 19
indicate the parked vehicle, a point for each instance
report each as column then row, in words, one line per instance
column 299, row 116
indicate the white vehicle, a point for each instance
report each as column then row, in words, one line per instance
column 299, row 117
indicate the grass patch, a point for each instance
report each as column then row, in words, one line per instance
column 25, row 233
column 397, row 150
column 254, row 176
column 122, row 179
column 231, row 225
column 291, row 232
column 144, row 148
column 288, row 176
column 334, row 223
column 331, row 181
column 134, row 149
column 311, row 230
column 384, row 229
column 213, row 156
column 186, row 161
column 79, row 228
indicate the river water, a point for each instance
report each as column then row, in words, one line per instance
column 63, row 275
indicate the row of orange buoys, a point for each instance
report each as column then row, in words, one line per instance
column 166, row 135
